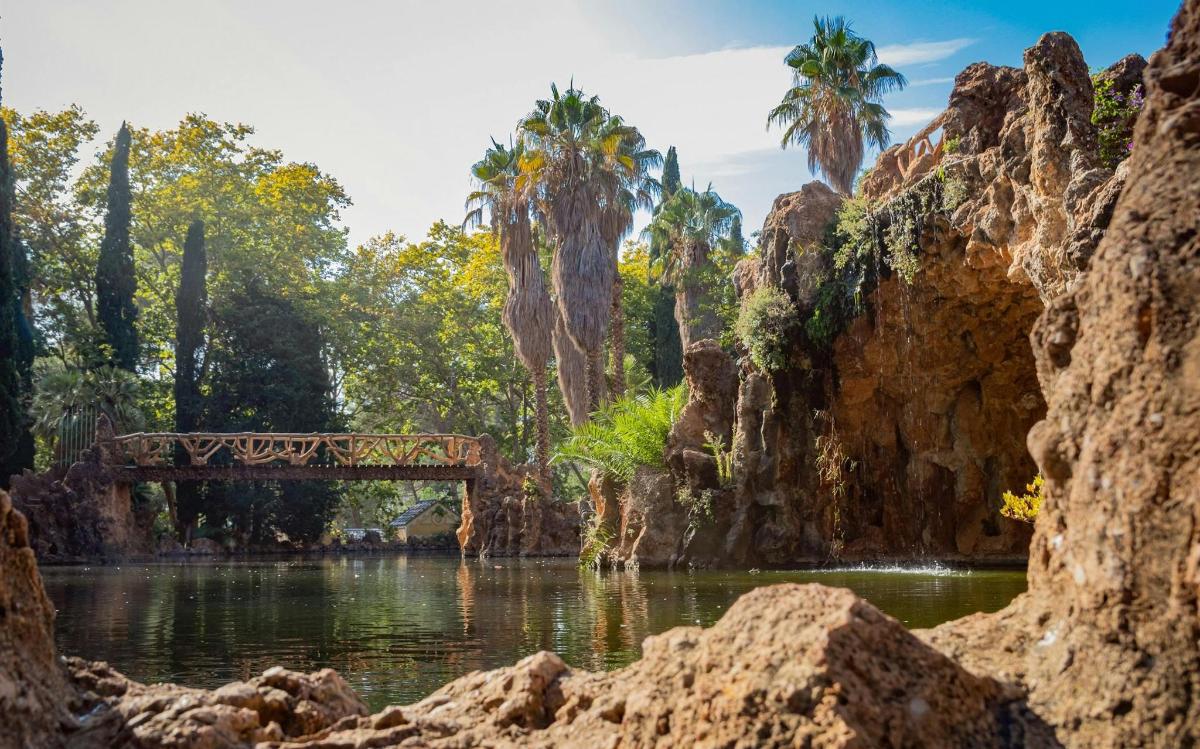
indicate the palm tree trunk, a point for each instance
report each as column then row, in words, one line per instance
column 542, row 417
column 684, row 301
column 617, row 340
column 595, row 379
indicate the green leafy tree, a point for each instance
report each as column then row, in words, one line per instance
column 57, row 231
column 116, row 282
column 191, row 315
column 266, row 219
column 686, row 229
column 16, row 441
column 670, row 174
column 834, row 107
column 667, row 367
column 422, row 344
column 268, row 375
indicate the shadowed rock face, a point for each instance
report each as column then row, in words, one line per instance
column 1110, row 623
column 900, row 441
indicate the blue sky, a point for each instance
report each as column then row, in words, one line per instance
column 396, row 99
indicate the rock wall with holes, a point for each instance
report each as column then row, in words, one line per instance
column 896, row 438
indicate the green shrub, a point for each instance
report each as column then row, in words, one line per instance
column 626, row 434
column 765, row 325
column 1114, row 114
column 951, row 145
column 596, row 540
column 699, row 505
column 724, row 458
column 954, row 194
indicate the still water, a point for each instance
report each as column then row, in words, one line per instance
column 399, row 627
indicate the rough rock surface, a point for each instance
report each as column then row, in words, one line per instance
column 793, row 230
column 1109, row 632
column 1025, row 163
column 901, row 440
column 278, row 705
column 32, row 687
column 501, row 518
column 81, row 514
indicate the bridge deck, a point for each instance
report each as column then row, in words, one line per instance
column 295, row 473
column 257, row 456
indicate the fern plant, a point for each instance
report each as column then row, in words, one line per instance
column 627, row 434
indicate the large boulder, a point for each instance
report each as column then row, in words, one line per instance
column 278, row 705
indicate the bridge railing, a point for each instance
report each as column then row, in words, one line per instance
column 158, row 449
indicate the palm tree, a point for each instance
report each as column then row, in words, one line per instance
column 685, row 229
column 504, row 193
column 630, row 187
column 833, row 108
column 586, row 164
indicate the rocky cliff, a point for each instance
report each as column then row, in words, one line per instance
column 893, row 415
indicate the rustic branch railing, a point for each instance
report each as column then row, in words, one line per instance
column 157, row 449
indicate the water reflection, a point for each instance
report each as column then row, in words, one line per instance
column 399, row 627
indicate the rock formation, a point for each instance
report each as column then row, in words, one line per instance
column 81, row 513
column 1107, row 640
column 32, row 687
column 503, row 515
column 897, row 438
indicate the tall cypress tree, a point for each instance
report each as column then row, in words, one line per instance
column 670, row 173
column 16, row 443
column 668, row 348
column 191, row 315
column 115, row 280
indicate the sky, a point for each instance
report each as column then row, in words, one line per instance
column 397, row 99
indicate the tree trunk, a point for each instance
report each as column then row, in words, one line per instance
column 542, row 417
column 685, row 313
column 617, row 341
column 535, row 506
column 168, row 488
column 693, row 308
column 595, row 379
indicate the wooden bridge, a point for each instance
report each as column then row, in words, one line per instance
column 255, row 456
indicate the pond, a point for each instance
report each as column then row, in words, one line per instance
column 397, row 628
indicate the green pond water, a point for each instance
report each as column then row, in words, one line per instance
column 399, row 627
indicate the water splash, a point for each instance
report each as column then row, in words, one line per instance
column 934, row 569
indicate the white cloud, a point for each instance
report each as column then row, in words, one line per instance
column 931, row 82
column 915, row 116
column 917, row 52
